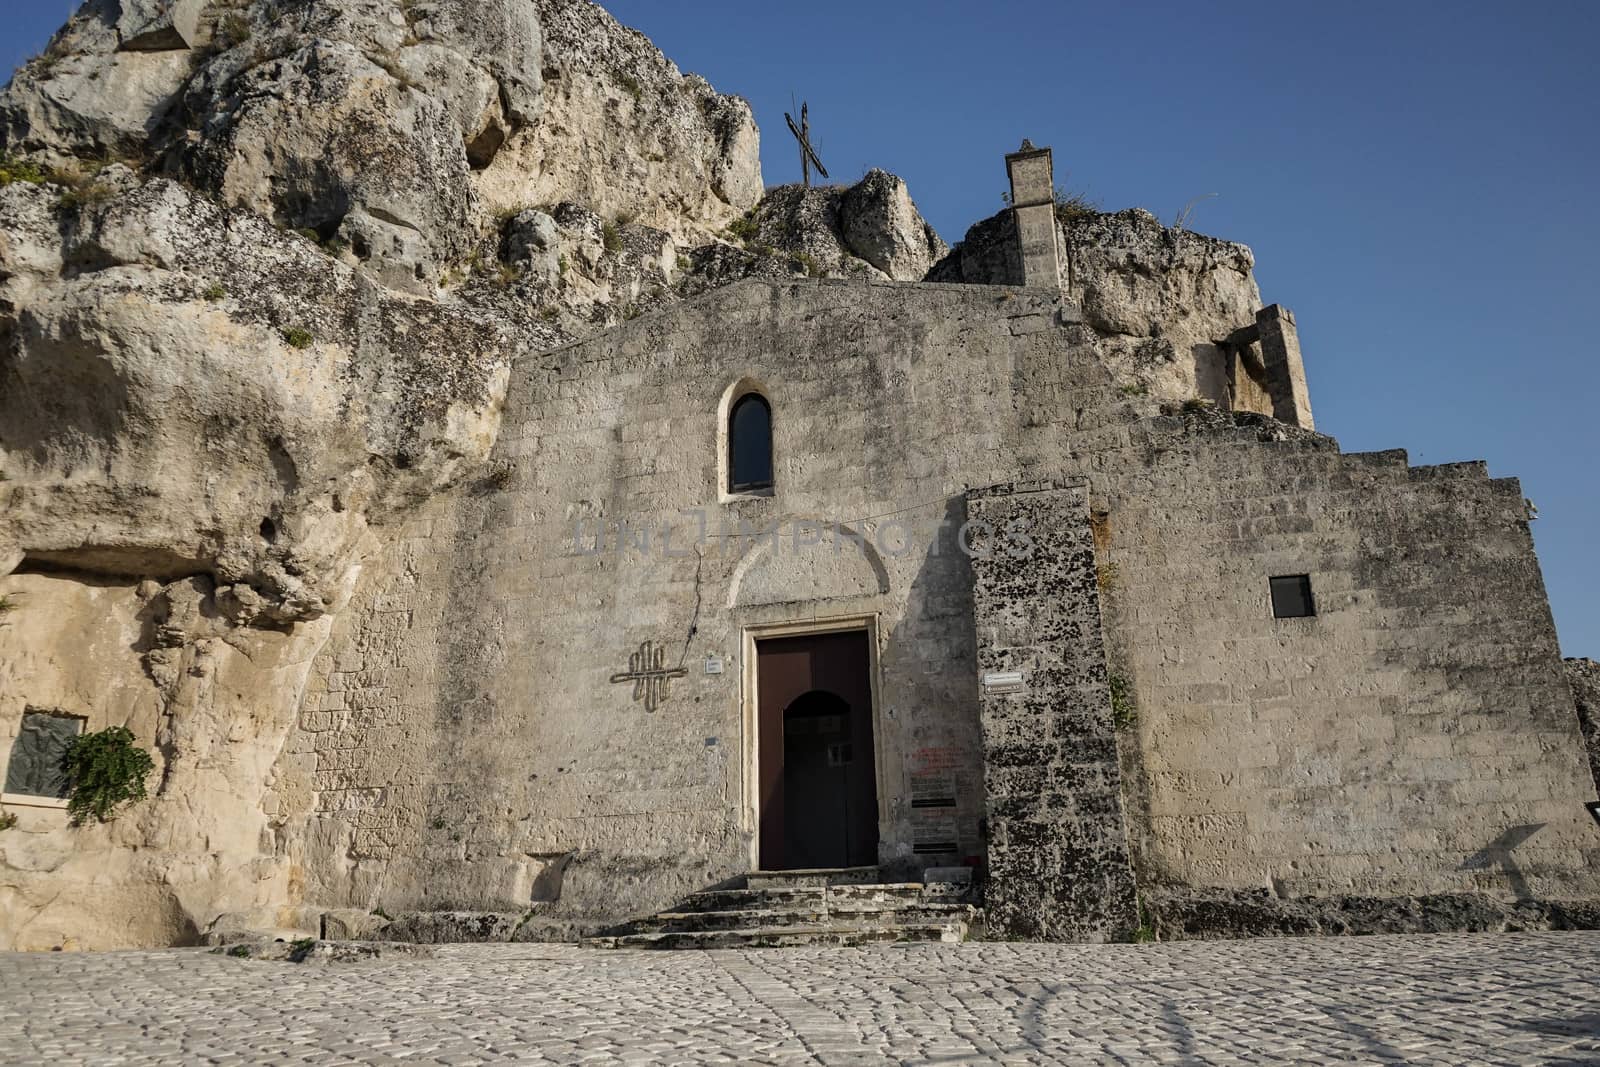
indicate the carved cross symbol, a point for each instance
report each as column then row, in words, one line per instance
column 647, row 670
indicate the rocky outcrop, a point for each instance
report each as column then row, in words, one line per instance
column 1162, row 300
column 867, row 230
column 402, row 129
column 188, row 390
column 626, row 134
column 1583, row 675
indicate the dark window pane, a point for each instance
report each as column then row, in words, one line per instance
column 750, row 444
column 35, row 765
column 1291, row 597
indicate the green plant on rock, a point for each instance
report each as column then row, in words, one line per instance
column 807, row 262
column 85, row 195
column 215, row 292
column 744, row 229
column 1070, row 205
column 20, row 170
column 240, row 952
column 7, row 821
column 1109, row 576
column 295, row 337
column 612, row 237
column 1145, row 933
column 630, row 85
column 1124, row 710
column 105, row 771
column 235, row 28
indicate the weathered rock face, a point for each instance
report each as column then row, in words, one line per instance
column 867, row 230
column 1584, row 677
column 625, row 133
column 1161, row 299
column 205, row 424
column 86, row 96
column 401, row 129
column 881, row 225
column 159, row 25
column 327, row 140
column 189, row 391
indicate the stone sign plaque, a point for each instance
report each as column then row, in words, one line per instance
column 34, row 768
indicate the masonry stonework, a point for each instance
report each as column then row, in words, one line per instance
column 1057, row 846
column 463, row 744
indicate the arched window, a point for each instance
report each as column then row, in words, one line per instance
column 750, row 444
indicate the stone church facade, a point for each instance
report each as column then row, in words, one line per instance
column 995, row 601
column 1072, row 670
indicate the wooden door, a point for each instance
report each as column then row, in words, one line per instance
column 816, row 768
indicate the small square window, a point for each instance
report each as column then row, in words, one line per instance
column 35, row 766
column 1291, row 597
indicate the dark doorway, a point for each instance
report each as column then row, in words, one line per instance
column 816, row 766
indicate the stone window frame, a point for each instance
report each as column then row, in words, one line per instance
column 30, row 800
column 1306, row 592
column 731, row 398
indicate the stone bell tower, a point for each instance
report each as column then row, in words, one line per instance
column 1033, row 202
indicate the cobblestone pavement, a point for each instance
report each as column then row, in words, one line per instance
column 1515, row 998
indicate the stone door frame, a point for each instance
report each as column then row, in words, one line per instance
column 750, row 739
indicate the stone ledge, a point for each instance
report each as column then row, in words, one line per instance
column 1182, row 914
column 23, row 800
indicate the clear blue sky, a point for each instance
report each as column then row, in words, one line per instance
column 1420, row 182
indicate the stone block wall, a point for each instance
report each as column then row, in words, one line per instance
column 1415, row 737
column 465, row 745
column 1058, row 848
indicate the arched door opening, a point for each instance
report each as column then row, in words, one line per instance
column 817, row 770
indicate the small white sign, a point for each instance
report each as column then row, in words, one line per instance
column 713, row 664
column 1004, row 682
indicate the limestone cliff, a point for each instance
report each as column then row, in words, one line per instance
column 1162, row 300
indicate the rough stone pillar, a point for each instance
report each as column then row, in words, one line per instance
column 1033, row 202
column 1058, row 846
column 1286, row 372
column 1583, row 675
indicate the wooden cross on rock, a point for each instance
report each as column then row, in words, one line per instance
column 802, row 133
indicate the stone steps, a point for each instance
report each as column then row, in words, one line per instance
column 794, row 908
column 785, row 937
column 753, row 919
column 812, row 879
